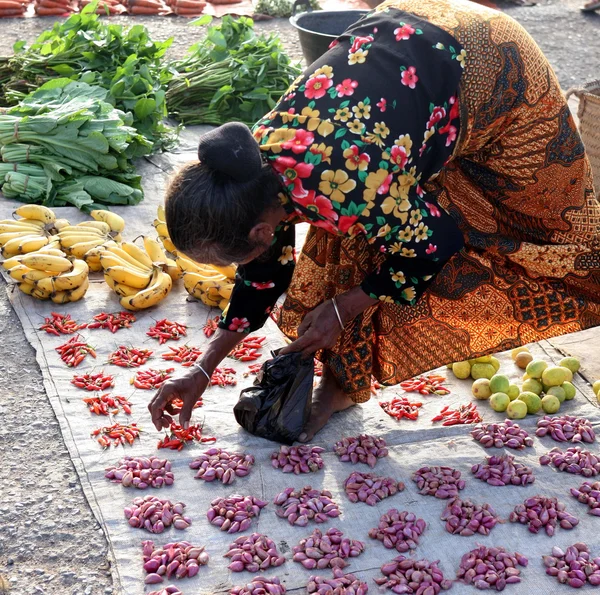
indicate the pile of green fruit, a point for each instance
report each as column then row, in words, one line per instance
column 544, row 387
column 481, row 367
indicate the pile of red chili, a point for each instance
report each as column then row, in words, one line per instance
column 93, row 381
column 129, row 357
column 401, row 408
column 113, row 322
column 164, row 330
column 211, row 326
column 60, row 324
column 150, row 378
column 253, row 369
column 431, row 384
column 248, row 349
column 223, row 377
column 184, row 355
column 465, row 414
column 116, row 434
column 105, row 405
column 179, row 436
column 176, row 405
column 74, row 351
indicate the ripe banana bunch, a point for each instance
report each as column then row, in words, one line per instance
column 159, row 258
column 160, row 224
column 211, row 285
column 131, row 273
column 49, row 274
column 27, row 234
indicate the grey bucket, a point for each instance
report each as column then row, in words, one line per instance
column 319, row 28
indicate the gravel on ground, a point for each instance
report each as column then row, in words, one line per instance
column 50, row 542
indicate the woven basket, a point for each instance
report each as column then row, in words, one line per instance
column 589, row 124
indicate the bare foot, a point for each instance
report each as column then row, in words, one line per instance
column 328, row 398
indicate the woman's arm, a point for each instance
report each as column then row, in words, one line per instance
column 260, row 283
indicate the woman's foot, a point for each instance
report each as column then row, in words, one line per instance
column 328, row 398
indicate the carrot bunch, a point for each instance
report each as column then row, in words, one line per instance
column 106, row 7
column 151, row 7
column 46, row 8
column 11, row 8
column 187, row 8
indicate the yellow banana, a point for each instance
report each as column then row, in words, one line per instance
column 161, row 228
column 52, row 248
column 47, row 262
column 70, row 239
column 116, row 222
column 154, row 250
column 129, row 276
column 38, row 212
column 120, row 289
column 39, row 224
column 11, row 235
column 228, row 271
column 60, row 224
column 117, row 237
column 118, row 251
column 137, row 253
column 225, row 291
column 100, row 226
column 12, row 262
column 18, row 271
column 209, row 301
column 8, row 226
column 11, row 248
column 32, row 244
column 173, row 270
column 78, row 250
column 23, row 273
column 223, row 305
column 72, row 295
column 40, row 294
column 187, row 265
column 26, row 288
column 66, row 281
column 191, row 281
column 160, row 213
column 168, row 244
column 157, row 290
column 76, row 229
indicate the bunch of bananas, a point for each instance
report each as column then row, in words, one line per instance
column 160, row 224
column 29, row 233
column 83, row 240
column 49, row 274
column 132, row 274
column 210, row 284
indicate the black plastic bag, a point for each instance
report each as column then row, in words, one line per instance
column 277, row 407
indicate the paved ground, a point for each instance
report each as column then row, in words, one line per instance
column 49, row 541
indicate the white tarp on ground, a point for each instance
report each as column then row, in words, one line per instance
column 412, row 445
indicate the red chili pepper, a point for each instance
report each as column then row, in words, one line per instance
column 176, row 405
column 165, row 330
column 129, row 357
column 223, row 377
column 113, row 322
column 180, row 436
column 465, row 414
column 151, row 379
column 100, row 405
column 60, row 324
column 426, row 385
column 184, row 355
column 401, row 407
column 248, row 349
column 93, row 381
column 116, row 434
column 211, row 326
column 253, row 369
column 74, row 351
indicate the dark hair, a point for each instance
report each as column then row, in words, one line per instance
column 210, row 214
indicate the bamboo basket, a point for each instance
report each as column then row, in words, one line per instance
column 588, row 113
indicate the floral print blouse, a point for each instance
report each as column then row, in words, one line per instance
column 353, row 139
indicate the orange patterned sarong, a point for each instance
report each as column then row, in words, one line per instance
column 519, row 186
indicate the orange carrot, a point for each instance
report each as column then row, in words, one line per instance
column 46, row 11
column 11, row 5
column 11, row 12
column 54, row 4
column 188, row 12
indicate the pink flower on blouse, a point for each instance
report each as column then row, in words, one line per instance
column 346, row 87
column 346, row 222
column 403, row 32
column 382, row 104
column 293, row 171
column 266, row 285
column 452, row 132
column 437, row 114
column 317, row 86
column 318, row 204
column 431, row 249
column 409, row 77
column 239, row 325
column 385, row 185
column 301, row 141
column 334, row 43
column 399, row 156
column 360, row 41
column 433, row 210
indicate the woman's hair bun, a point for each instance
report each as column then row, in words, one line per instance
column 231, row 150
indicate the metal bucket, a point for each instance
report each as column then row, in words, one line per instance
column 318, row 29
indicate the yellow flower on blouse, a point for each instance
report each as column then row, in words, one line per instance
column 398, row 277
column 358, row 57
column 323, row 150
column 342, row 114
column 395, row 248
column 428, row 134
column 406, row 234
column 360, row 110
column 326, row 70
column 408, row 253
column 380, row 129
column 336, row 184
column 421, row 232
column 287, row 255
column 325, row 128
column 276, row 138
column 415, row 217
column 396, row 204
column 405, row 141
column 356, row 126
column 461, row 58
column 409, row 294
column 386, row 299
column 384, row 230
column 312, row 115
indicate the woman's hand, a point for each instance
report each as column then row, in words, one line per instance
column 321, row 328
column 190, row 387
